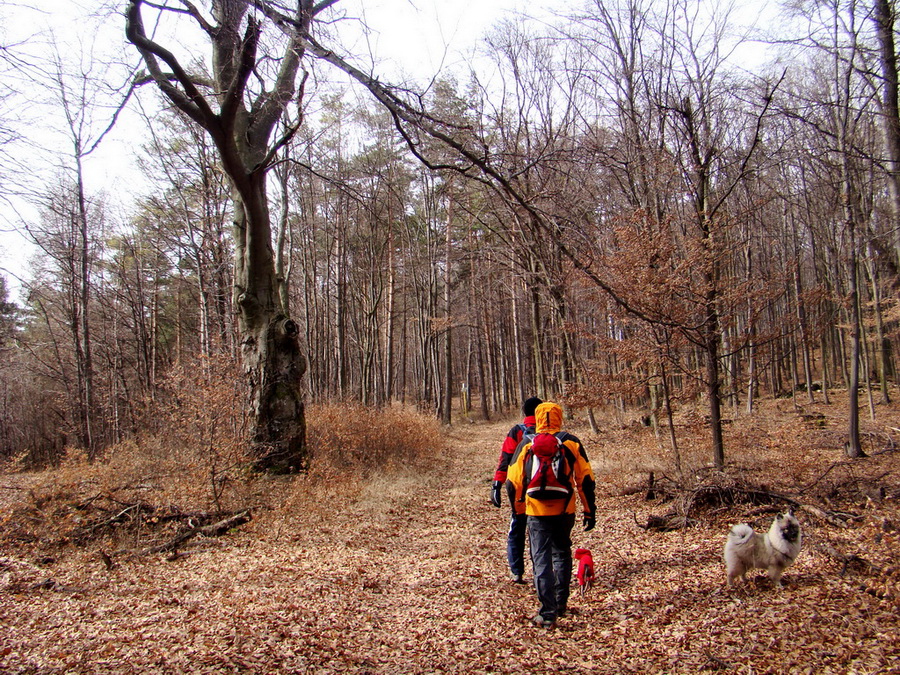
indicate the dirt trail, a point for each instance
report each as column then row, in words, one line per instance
column 409, row 576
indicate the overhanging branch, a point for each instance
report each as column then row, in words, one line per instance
column 190, row 101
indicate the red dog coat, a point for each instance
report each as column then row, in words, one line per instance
column 585, row 569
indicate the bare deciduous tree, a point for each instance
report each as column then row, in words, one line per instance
column 240, row 108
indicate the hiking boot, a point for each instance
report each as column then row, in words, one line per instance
column 542, row 622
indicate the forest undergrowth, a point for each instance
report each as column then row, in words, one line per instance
column 388, row 558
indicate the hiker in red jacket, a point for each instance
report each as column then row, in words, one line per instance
column 515, row 538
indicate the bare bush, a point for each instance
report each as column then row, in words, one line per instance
column 192, row 469
column 367, row 441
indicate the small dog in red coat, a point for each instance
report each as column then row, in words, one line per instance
column 585, row 569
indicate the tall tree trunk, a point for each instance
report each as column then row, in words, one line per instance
column 517, row 343
column 282, row 239
column 565, row 346
column 826, row 377
column 84, row 348
column 270, row 350
column 750, row 335
column 343, row 352
column 710, row 330
column 882, row 345
column 537, row 344
column 849, row 204
column 867, row 365
column 854, row 449
column 667, row 397
column 711, row 347
column 801, row 315
column 390, row 319
column 885, row 18
column 447, row 407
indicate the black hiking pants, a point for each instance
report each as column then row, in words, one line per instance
column 551, row 559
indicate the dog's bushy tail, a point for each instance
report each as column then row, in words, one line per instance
column 740, row 534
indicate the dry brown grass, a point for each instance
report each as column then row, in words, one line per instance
column 121, row 502
column 349, row 437
column 356, row 450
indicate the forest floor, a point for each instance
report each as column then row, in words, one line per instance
column 406, row 573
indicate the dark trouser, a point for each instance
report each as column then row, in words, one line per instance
column 551, row 558
column 515, row 544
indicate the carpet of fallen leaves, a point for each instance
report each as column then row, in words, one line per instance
column 407, row 574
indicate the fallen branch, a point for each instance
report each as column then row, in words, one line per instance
column 847, row 561
column 835, row 518
column 213, row 530
column 666, row 523
column 121, row 515
column 129, row 512
column 815, row 482
column 718, row 495
column 688, row 502
column 647, row 488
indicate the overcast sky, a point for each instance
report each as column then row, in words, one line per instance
column 417, row 37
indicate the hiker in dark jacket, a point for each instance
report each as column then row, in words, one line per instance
column 515, row 538
column 548, row 471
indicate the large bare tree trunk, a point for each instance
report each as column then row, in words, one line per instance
column 885, row 18
column 241, row 130
column 270, row 352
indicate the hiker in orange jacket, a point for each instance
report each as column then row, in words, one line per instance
column 515, row 537
column 546, row 474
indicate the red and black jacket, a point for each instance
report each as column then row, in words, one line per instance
column 510, row 443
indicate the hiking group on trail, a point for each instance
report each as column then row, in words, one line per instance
column 542, row 469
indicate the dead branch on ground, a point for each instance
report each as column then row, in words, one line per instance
column 848, row 562
column 687, row 503
column 214, row 530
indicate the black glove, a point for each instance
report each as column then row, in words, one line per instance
column 589, row 522
column 495, row 493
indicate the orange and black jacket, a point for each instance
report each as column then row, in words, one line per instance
column 548, row 419
column 510, row 443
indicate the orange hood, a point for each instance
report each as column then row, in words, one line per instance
column 548, row 418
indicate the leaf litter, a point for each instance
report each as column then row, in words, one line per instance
column 406, row 573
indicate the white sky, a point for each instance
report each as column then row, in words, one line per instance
column 417, row 37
